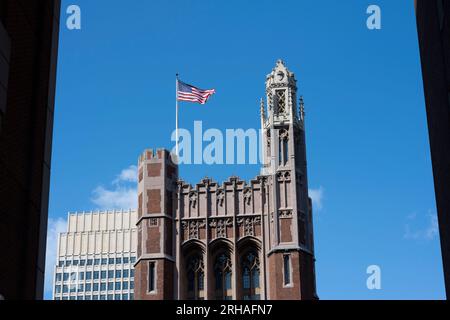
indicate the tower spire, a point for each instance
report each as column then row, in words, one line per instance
column 302, row 109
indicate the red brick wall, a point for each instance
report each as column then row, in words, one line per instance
column 276, row 278
column 154, row 169
column 286, row 232
column 164, row 280
column 153, row 201
column 152, row 243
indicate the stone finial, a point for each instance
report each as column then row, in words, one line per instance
column 280, row 76
column 302, row 109
column 263, row 114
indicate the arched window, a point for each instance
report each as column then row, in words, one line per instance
column 195, row 278
column 223, row 275
column 250, row 276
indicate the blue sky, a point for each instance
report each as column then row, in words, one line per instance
column 368, row 154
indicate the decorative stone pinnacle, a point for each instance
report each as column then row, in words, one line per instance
column 263, row 114
column 302, row 108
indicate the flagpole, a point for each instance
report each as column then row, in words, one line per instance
column 176, row 118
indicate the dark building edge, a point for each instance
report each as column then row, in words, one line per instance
column 32, row 27
column 433, row 26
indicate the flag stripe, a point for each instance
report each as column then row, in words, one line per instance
column 187, row 92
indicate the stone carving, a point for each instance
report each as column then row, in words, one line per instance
column 221, row 225
column 286, row 213
column 193, row 226
column 284, row 176
column 284, row 134
column 247, row 195
column 220, row 194
column 249, row 224
column 193, row 199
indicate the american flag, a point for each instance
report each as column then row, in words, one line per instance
column 186, row 92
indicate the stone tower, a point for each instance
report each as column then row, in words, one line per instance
column 290, row 241
column 238, row 239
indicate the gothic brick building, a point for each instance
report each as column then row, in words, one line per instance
column 237, row 240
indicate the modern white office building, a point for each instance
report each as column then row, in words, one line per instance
column 96, row 256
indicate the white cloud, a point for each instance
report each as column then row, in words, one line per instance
column 117, row 198
column 127, row 175
column 121, row 195
column 317, row 196
column 55, row 226
column 415, row 230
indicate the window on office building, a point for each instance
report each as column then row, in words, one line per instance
column 126, row 273
column 117, row 286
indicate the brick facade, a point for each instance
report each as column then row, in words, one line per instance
column 238, row 239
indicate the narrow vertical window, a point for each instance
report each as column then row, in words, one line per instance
column 151, row 276
column 287, row 269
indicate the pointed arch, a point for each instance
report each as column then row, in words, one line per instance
column 221, row 252
column 194, row 270
column 249, row 260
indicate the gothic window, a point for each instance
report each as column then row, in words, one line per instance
column 250, row 276
column 152, row 276
column 195, row 278
column 287, row 269
column 223, row 275
column 283, row 151
column 281, row 101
